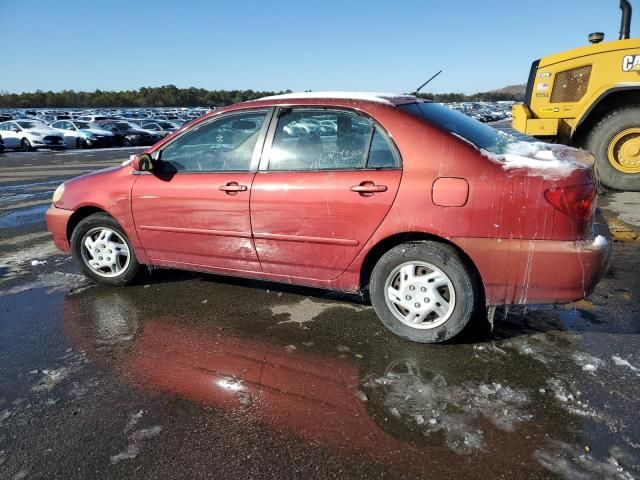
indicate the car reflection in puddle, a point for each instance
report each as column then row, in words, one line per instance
column 413, row 408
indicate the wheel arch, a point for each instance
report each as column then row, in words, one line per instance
column 80, row 214
column 612, row 99
column 379, row 249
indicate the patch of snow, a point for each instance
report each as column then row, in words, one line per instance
column 380, row 97
column 574, row 463
column 133, row 420
column 53, row 282
column 138, row 438
column 621, row 362
column 35, row 263
column 130, row 452
column 589, row 363
column 361, row 395
column 538, row 158
column 571, row 400
column 290, row 348
column 146, row 433
column 450, row 409
column 15, row 259
column 4, row 415
column 307, row 310
column 599, row 241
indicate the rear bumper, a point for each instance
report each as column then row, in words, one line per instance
column 57, row 220
column 540, row 271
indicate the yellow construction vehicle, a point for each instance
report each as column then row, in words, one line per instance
column 590, row 97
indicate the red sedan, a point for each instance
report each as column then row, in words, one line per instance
column 432, row 213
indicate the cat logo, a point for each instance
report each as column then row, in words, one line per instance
column 631, row 63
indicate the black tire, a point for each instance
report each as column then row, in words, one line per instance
column 102, row 220
column 127, row 143
column 447, row 260
column 598, row 143
column 26, row 145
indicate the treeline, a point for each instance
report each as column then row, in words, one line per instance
column 166, row 96
column 172, row 96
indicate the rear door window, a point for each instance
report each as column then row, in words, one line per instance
column 326, row 139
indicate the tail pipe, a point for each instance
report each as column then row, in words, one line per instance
column 625, row 23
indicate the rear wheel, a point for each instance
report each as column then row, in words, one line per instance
column 423, row 292
column 103, row 250
column 615, row 142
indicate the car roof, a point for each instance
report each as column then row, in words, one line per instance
column 394, row 99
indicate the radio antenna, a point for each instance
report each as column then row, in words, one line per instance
column 425, row 83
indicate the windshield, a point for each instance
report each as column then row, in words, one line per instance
column 24, row 124
column 461, row 125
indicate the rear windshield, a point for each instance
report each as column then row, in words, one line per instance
column 459, row 124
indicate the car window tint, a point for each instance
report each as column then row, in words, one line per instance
column 225, row 144
column 307, row 139
column 381, row 154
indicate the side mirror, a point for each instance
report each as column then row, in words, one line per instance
column 143, row 162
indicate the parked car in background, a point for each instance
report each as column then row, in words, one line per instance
column 79, row 134
column 93, row 118
column 29, row 135
column 129, row 134
column 162, row 127
column 434, row 214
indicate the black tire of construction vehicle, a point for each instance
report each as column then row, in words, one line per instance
column 444, row 258
column 598, row 143
column 103, row 221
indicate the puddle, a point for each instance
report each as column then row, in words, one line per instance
column 24, row 216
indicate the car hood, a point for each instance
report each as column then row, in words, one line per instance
column 43, row 131
column 97, row 131
column 134, row 131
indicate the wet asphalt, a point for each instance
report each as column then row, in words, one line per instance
column 187, row 375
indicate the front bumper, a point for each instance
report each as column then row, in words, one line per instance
column 101, row 142
column 57, row 220
column 46, row 142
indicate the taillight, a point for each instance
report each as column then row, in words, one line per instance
column 576, row 201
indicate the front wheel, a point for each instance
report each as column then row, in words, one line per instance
column 26, row 145
column 615, row 142
column 423, row 292
column 103, row 251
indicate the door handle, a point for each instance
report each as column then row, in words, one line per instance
column 367, row 189
column 232, row 188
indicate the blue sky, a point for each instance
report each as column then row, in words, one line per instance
column 300, row 45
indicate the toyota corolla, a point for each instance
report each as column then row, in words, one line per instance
column 434, row 215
